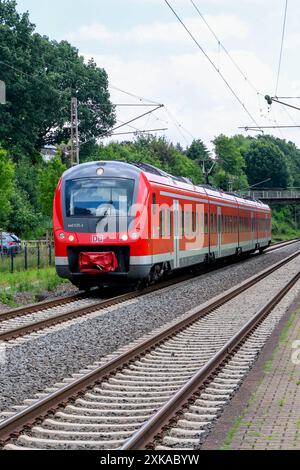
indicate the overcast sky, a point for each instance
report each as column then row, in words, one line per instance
column 146, row 51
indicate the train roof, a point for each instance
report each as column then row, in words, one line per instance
column 156, row 175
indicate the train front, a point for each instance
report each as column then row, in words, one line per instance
column 96, row 230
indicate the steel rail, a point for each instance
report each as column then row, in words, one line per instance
column 167, row 416
column 15, row 424
column 82, row 311
column 40, row 306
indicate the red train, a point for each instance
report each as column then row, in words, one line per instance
column 116, row 222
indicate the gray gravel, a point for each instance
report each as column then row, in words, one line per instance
column 39, row 363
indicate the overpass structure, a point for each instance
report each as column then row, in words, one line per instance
column 275, row 196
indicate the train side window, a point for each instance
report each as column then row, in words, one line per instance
column 154, row 203
column 206, row 223
column 168, row 223
column 201, row 215
column 162, row 222
column 182, row 222
column 194, row 223
column 187, row 223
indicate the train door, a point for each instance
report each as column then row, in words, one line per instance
column 253, row 241
column 219, row 247
column 176, row 228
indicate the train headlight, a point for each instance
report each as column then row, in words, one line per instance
column 134, row 236
column 71, row 238
column 100, row 171
column 124, row 238
column 62, row 236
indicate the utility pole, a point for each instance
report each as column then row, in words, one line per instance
column 207, row 172
column 74, row 133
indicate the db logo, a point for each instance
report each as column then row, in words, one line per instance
column 97, row 239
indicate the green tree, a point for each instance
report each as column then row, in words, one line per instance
column 199, row 152
column 291, row 154
column 7, row 173
column 265, row 160
column 230, row 174
column 26, row 221
column 41, row 76
column 170, row 159
column 47, row 181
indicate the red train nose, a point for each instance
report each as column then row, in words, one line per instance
column 98, row 263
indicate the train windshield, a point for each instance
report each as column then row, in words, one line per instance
column 99, row 197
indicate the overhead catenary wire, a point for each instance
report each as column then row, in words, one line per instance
column 221, row 45
column 140, row 98
column 138, row 117
column 281, row 46
column 145, row 131
column 211, row 62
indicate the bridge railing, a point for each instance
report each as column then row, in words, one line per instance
column 274, row 194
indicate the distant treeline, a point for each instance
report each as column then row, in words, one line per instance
column 27, row 187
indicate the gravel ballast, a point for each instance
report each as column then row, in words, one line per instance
column 31, row 367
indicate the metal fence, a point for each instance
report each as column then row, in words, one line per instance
column 273, row 194
column 32, row 255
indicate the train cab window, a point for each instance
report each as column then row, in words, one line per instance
column 99, row 197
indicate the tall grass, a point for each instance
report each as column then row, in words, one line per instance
column 32, row 282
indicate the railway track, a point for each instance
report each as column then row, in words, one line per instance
column 173, row 382
column 24, row 321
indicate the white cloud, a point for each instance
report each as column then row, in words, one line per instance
column 190, row 88
column 163, row 33
column 91, row 32
column 159, row 61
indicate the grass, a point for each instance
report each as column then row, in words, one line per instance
column 231, row 433
column 282, row 340
column 32, row 282
column 284, row 237
column 32, row 259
